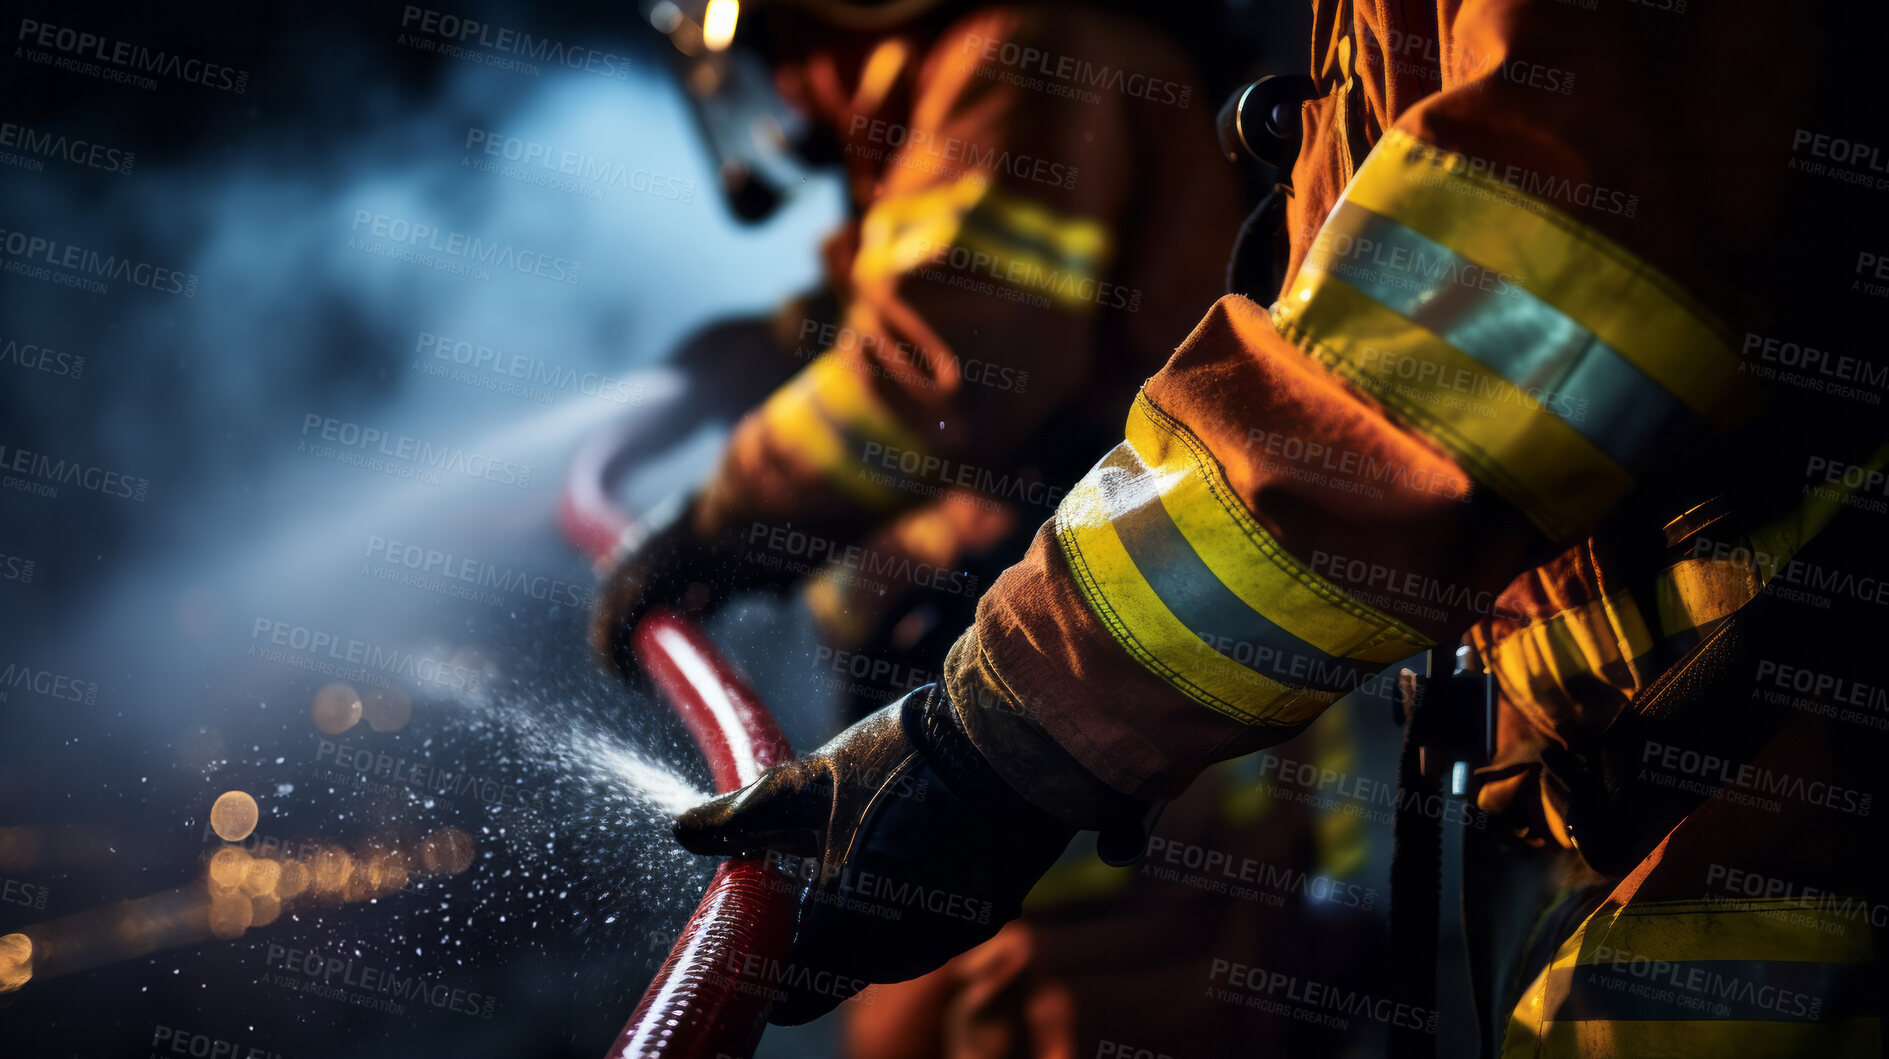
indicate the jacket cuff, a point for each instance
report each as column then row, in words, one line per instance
column 1027, row 758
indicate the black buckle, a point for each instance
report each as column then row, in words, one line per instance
column 1261, row 121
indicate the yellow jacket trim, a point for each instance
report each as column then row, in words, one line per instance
column 1010, row 238
column 1620, row 299
column 1193, row 588
column 828, row 414
column 1532, row 457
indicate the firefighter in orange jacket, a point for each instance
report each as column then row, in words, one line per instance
column 1025, row 252
column 1524, row 382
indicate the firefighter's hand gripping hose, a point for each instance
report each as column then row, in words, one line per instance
column 913, row 849
column 910, row 848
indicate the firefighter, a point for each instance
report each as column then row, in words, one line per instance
column 1521, row 386
column 1024, row 251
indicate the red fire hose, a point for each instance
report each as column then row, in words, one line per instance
column 591, row 520
column 709, row 998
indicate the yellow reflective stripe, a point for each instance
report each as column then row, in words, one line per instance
column 1542, row 663
column 800, row 426
column 1622, row 300
column 1545, row 467
column 848, row 396
column 827, row 414
column 1781, row 929
column 1192, row 587
column 1555, row 661
column 1144, row 627
column 900, row 232
column 1697, row 592
column 1249, row 560
column 1026, row 270
column 1343, row 840
column 1745, row 936
column 1690, row 1039
column 1025, row 243
column 1547, row 661
column 1077, row 238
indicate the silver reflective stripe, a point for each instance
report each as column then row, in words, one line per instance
column 1508, row 329
column 1197, row 597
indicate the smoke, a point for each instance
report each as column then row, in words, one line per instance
column 317, row 320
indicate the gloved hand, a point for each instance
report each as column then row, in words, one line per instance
column 915, row 850
column 673, row 565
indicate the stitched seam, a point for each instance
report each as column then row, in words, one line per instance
column 1126, row 639
column 1211, row 470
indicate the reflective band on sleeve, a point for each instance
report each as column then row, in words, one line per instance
column 1530, row 456
column 901, row 232
column 970, row 225
column 1081, row 244
column 1525, row 340
column 828, row 415
column 1551, row 363
column 1208, row 608
column 1193, row 588
column 1622, row 300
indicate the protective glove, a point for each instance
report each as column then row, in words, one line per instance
column 914, row 849
column 672, row 565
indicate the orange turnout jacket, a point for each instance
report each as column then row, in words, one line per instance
column 1561, row 273
column 1034, row 236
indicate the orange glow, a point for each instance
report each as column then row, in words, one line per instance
column 19, row 847
column 447, row 851
column 293, row 880
column 228, row 866
column 16, row 961
column 234, row 816
column 264, row 910
column 239, row 892
column 337, row 708
column 261, row 877
column 881, row 70
column 387, row 871
column 356, row 886
column 230, row 915
column 332, row 868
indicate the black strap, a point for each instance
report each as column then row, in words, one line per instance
column 1257, row 267
column 1416, row 873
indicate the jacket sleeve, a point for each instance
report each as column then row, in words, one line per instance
column 981, row 277
column 1466, row 373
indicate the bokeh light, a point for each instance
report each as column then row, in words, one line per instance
column 718, row 23
column 228, row 866
column 16, row 961
column 337, row 708
column 233, row 816
column 447, row 851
